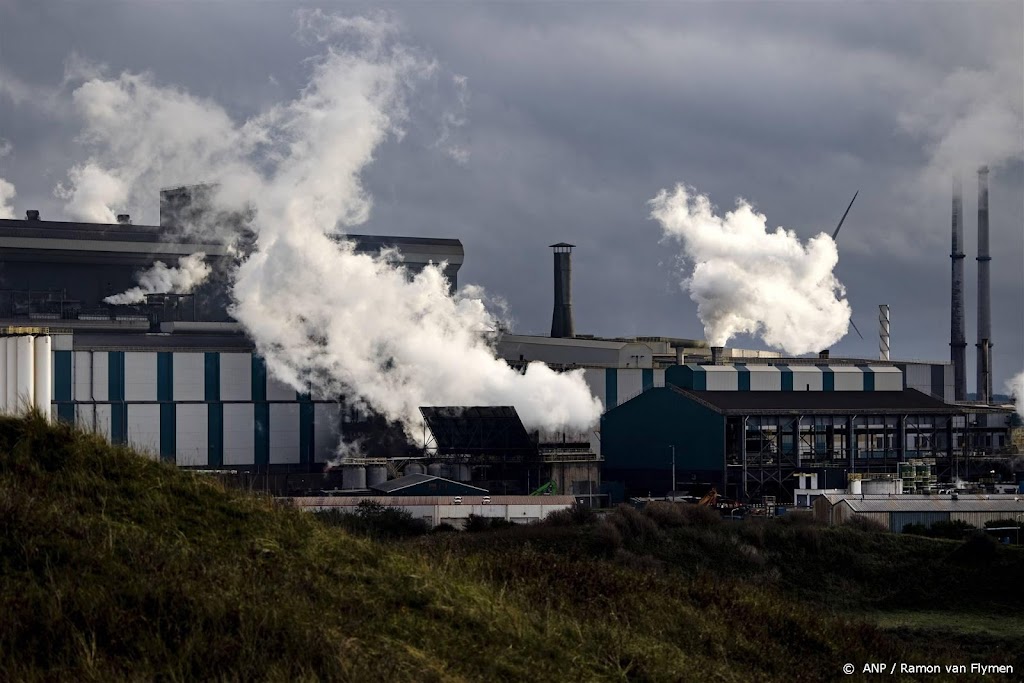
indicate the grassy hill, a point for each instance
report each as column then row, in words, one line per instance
column 115, row 567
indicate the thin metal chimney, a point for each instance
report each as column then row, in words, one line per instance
column 957, row 328
column 32, row 215
column 124, row 219
column 561, row 317
column 716, row 354
column 883, row 331
column 984, row 293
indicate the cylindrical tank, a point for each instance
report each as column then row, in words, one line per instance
column 43, row 374
column 353, row 477
column 3, row 375
column 882, row 486
column 855, row 487
column 464, row 473
column 434, row 469
column 12, row 375
column 414, row 468
column 376, row 474
column 25, row 388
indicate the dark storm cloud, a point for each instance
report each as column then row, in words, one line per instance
column 578, row 114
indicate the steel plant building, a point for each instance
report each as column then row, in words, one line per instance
column 749, row 430
column 175, row 377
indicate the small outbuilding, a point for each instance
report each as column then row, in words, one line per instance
column 895, row 512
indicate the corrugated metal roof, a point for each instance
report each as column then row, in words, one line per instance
column 409, row 501
column 839, row 497
column 392, row 485
column 908, row 401
column 944, row 504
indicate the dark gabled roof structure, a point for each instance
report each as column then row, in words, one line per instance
column 410, row 481
column 478, row 430
column 908, row 401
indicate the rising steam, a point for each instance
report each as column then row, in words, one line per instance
column 191, row 272
column 6, row 196
column 321, row 314
column 1015, row 385
column 747, row 280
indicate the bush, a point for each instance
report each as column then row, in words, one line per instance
column 864, row 524
column 607, row 538
column 671, row 515
column 633, row 525
column 475, row 523
column 376, row 520
column 977, row 547
column 943, row 529
column 797, row 518
column 1001, row 523
column 577, row 515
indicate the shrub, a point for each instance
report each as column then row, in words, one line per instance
column 864, row 524
column 376, row 520
column 633, row 525
column 1001, row 523
column 977, row 547
column 577, row 515
column 475, row 523
column 942, row 529
column 797, row 518
column 607, row 538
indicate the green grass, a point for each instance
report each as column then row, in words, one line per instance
column 116, row 567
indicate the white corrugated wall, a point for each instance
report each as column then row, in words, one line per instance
column 239, row 434
column 847, row 378
column 236, row 376
column 192, row 433
column 284, row 433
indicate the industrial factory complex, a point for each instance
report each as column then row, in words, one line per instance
column 176, row 377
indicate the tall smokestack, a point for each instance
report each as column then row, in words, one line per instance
column 883, row 331
column 716, row 355
column 957, row 329
column 984, row 293
column 561, row 317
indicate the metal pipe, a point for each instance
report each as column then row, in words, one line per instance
column 957, row 327
column 12, row 375
column 984, row 293
column 25, row 388
column 883, row 331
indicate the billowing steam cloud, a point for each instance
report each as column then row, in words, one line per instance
column 6, row 189
column 1015, row 385
column 6, row 196
column 191, row 272
column 321, row 314
column 746, row 279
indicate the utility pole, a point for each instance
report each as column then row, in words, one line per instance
column 673, row 489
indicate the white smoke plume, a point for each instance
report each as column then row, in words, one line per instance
column 6, row 197
column 748, row 280
column 321, row 314
column 6, row 189
column 1015, row 385
column 191, row 272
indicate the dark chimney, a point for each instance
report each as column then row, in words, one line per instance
column 957, row 333
column 561, row 317
column 984, row 293
column 823, row 354
column 124, row 219
column 32, row 215
column 716, row 355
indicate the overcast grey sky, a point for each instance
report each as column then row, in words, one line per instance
column 573, row 115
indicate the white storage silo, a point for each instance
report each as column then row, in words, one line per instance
column 435, row 469
column 414, row 468
column 25, row 387
column 43, row 374
column 3, row 375
column 12, row 375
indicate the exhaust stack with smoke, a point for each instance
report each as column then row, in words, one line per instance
column 716, row 355
column 883, row 331
column 561, row 317
column 984, row 293
column 957, row 333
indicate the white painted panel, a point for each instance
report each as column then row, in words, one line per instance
column 848, row 378
column 192, row 430
column 144, row 427
column 236, row 376
column 721, row 377
column 887, row 379
column 659, row 378
column 140, row 376
column 91, row 367
column 630, row 384
column 284, row 433
column 62, row 342
column 102, row 420
column 806, row 378
column 325, row 437
column 765, row 378
column 239, row 437
column 279, row 391
column 595, row 379
column 189, row 377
